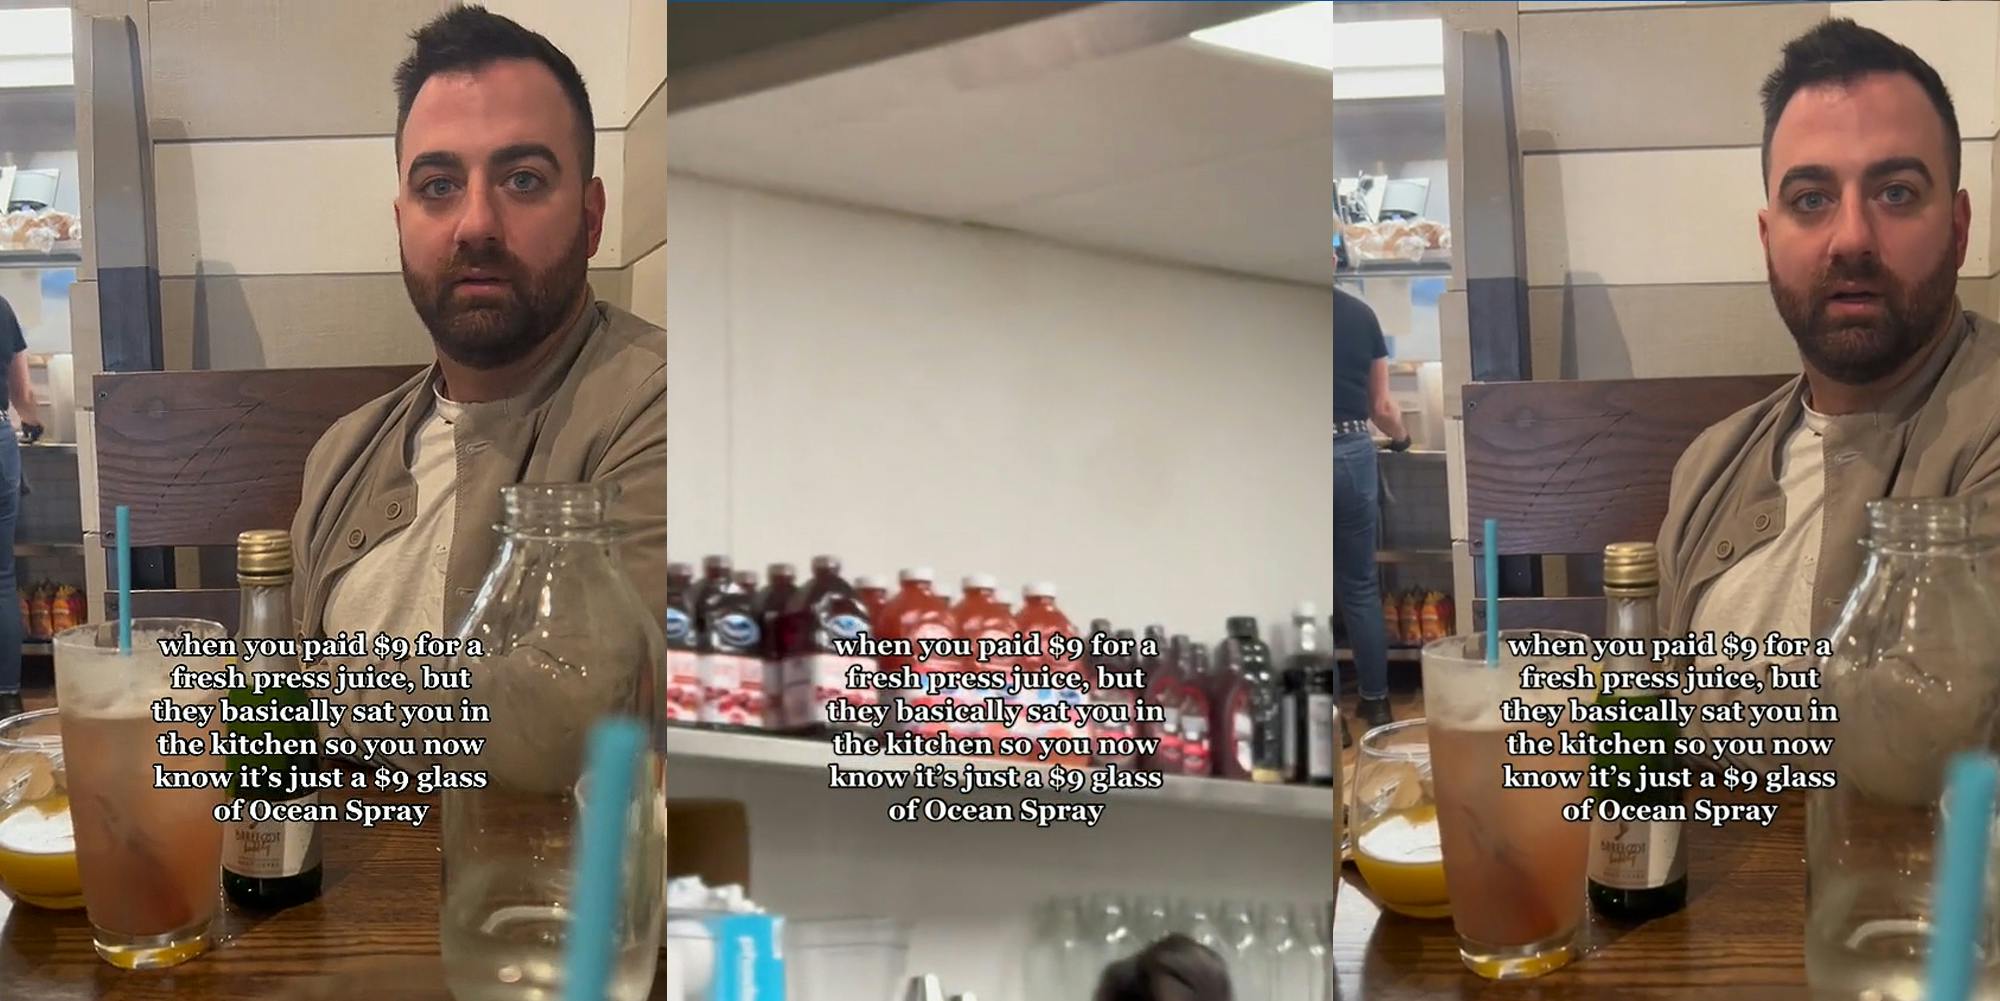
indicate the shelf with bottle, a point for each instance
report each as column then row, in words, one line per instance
column 48, row 608
column 770, row 662
column 690, row 745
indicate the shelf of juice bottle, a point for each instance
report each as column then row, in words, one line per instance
column 686, row 744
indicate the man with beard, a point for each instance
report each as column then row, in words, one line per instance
column 1864, row 232
column 497, row 213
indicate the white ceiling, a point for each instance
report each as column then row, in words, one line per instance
column 1179, row 151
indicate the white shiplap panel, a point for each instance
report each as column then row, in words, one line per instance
column 645, row 54
column 308, row 206
column 1669, row 216
column 1957, row 39
column 593, row 34
column 649, row 287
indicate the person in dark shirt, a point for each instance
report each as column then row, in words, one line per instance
column 14, row 392
column 1361, row 395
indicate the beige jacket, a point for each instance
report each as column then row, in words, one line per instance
column 597, row 414
column 1937, row 436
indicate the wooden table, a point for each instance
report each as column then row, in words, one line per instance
column 1741, row 936
column 373, row 933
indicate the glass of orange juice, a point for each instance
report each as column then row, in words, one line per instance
column 37, row 848
column 1394, row 821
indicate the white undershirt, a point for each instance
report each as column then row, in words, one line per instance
column 1770, row 588
column 398, row 586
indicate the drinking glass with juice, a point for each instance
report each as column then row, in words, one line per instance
column 1514, row 867
column 37, row 844
column 1396, row 844
column 150, row 858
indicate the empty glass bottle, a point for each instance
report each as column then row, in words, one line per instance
column 566, row 640
column 1913, row 677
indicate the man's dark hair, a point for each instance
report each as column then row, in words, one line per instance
column 466, row 39
column 1175, row 968
column 1838, row 50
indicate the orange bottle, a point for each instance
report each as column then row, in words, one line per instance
column 978, row 615
column 873, row 597
column 38, row 611
column 61, row 615
column 922, row 617
column 1039, row 615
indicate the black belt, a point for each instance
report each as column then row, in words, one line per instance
column 1350, row 427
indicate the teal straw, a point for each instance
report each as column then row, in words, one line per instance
column 1492, row 591
column 1958, row 895
column 615, row 745
column 124, row 527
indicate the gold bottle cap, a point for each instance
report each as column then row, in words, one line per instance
column 1631, row 566
column 264, row 554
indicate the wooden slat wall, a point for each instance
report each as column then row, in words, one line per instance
column 213, row 604
column 202, row 456
column 1583, row 615
column 1569, row 466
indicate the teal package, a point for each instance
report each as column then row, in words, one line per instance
column 749, row 957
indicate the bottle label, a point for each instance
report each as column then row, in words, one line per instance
column 1241, row 721
column 845, row 626
column 683, row 685
column 271, row 849
column 1320, row 752
column 680, row 631
column 1638, row 855
column 736, row 632
column 1194, row 728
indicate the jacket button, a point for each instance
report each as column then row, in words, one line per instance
column 354, row 538
column 1723, row 550
column 396, row 510
column 1763, row 522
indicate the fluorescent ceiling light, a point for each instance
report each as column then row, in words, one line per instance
column 1368, row 59
column 35, row 47
column 40, row 31
column 1302, row 33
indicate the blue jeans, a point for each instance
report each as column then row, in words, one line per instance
column 1355, row 513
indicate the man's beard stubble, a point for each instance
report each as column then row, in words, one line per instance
column 487, row 334
column 1857, row 354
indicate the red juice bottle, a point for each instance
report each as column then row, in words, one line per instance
column 1040, row 617
column 1114, row 700
column 727, row 646
column 823, row 617
column 922, row 617
column 873, row 596
column 1163, row 689
column 980, row 615
column 683, row 670
column 780, row 583
column 1230, row 715
column 1197, row 729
